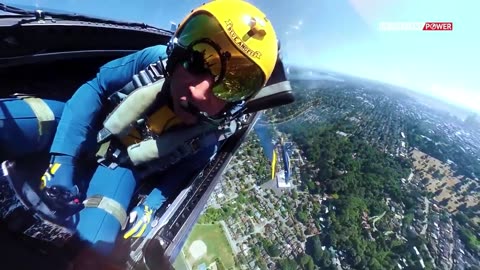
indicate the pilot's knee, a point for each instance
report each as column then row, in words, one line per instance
column 27, row 124
column 99, row 228
column 108, row 197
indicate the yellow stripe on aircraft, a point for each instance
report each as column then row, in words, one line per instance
column 274, row 162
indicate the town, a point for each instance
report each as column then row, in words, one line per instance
column 382, row 182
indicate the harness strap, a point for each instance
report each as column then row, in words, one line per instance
column 188, row 148
column 132, row 100
column 195, row 144
column 42, row 112
column 130, row 110
column 176, row 144
column 149, row 75
column 110, row 206
column 157, row 153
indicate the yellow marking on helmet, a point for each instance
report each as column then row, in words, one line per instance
column 257, row 26
column 234, row 17
column 239, row 41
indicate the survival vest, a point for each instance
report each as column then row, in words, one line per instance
column 143, row 131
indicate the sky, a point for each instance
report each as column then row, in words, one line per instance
column 344, row 36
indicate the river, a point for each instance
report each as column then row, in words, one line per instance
column 265, row 134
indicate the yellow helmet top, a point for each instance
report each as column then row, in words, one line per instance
column 237, row 42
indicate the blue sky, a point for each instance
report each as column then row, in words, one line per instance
column 343, row 35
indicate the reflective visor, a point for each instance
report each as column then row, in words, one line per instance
column 236, row 76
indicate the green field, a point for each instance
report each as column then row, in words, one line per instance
column 180, row 263
column 216, row 242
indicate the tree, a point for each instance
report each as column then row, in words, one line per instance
column 294, row 194
column 287, row 264
column 256, row 251
column 262, row 264
column 461, row 218
column 408, row 219
column 273, row 250
column 437, row 174
column 314, row 249
column 425, row 181
column 362, row 177
column 374, row 264
column 306, row 261
column 470, row 240
column 302, row 216
column 310, row 265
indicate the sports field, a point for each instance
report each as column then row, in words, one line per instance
column 180, row 263
column 205, row 243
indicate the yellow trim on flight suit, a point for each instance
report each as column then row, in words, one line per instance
column 141, row 225
column 47, row 176
column 158, row 122
column 162, row 120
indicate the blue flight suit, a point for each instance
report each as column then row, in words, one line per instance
column 76, row 135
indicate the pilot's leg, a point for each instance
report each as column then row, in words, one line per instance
column 170, row 183
column 101, row 228
column 27, row 125
column 97, row 226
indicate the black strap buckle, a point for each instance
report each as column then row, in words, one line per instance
column 154, row 71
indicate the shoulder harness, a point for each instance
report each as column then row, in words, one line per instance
column 154, row 152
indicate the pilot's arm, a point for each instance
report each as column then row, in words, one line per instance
column 77, row 128
column 82, row 111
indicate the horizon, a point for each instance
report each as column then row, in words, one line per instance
column 408, row 91
column 438, row 64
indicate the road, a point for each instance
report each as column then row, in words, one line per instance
column 375, row 219
column 427, row 204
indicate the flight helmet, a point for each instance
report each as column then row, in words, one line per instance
column 232, row 40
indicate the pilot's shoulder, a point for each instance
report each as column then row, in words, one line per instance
column 155, row 52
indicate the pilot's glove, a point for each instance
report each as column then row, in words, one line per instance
column 59, row 172
column 141, row 216
column 57, row 187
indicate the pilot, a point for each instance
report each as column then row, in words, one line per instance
column 222, row 53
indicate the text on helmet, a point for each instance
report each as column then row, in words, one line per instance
column 238, row 40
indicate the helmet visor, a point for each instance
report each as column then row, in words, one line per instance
column 236, row 76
